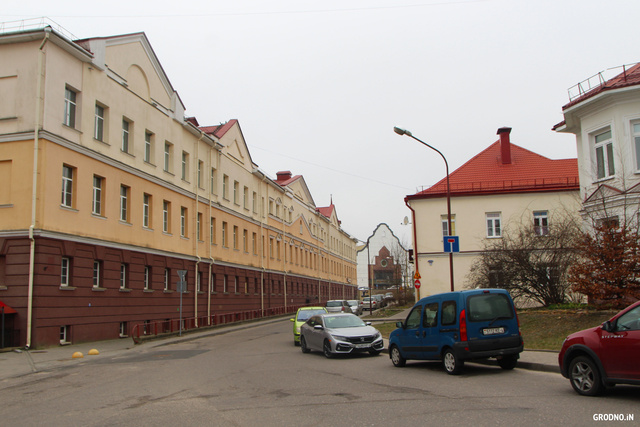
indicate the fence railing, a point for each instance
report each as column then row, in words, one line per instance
column 156, row 328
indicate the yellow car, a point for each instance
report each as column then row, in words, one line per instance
column 303, row 314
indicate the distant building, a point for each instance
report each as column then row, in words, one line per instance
column 502, row 185
column 604, row 115
column 384, row 262
column 107, row 192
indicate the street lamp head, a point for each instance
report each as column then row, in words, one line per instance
column 400, row 131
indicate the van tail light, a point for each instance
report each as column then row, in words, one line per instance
column 463, row 326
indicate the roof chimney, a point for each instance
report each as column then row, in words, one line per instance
column 283, row 175
column 505, row 145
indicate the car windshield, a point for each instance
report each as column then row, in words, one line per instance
column 334, row 303
column 304, row 315
column 488, row 307
column 337, row 322
column 352, row 302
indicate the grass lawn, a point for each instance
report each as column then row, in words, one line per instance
column 542, row 329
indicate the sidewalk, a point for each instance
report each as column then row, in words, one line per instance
column 18, row 362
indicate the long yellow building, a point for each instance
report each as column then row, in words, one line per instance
column 109, row 195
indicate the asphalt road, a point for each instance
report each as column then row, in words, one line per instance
column 256, row 376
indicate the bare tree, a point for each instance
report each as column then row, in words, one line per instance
column 531, row 262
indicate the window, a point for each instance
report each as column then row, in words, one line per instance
column 254, row 243
column 64, row 334
column 255, row 202
column 183, row 221
column 67, row 186
column 123, row 276
column 148, row 146
column 212, row 180
column 540, row 223
column 199, row 226
column 445, row 225
column 224, row 234
column 97, row 269
column 123, row 329
column 98, row 132
column 604, row 155
column 636, row 142
column 65, row 270
column 245, row 198
column 224, row 284
column 449, row 313
column 200, row 166
column 225, row 187
column 493, row 225
column 235, row 237
column 212, row 230
column 244, row 240
column 147, row 277
column 166, row 216
column 146, row 210
column 70, row 107
column 167, row 279
column 126, row 124
column 185, row 166
column 124, row 198
column 236, row 189
column 199, row 282
column 168, row 156
column 96, row 206
column 430, row 316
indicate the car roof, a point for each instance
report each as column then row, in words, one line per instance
column 310, row 308
column 336, row 315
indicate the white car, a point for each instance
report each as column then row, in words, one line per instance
column 355, row 306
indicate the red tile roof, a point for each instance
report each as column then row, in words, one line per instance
column 486, row 174
column 327, row 210
column 628, row 77
column 284, row 178
column 219, row 130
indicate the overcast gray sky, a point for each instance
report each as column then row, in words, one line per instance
column 319, row 85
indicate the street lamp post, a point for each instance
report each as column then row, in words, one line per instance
column 400, row 131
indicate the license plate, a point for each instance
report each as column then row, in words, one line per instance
column 362, row 345
column 493, row 331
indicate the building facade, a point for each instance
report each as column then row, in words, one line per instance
column 108, row 192
column 605, row 118
column 503, row 186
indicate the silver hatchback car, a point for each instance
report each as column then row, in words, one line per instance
column 339, row 334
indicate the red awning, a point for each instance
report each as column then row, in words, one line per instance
column 7, row 309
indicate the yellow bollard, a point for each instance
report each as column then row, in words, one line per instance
column 93, row 352
column 77, row 355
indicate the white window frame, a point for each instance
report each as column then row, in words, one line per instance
column 96, row 273
column 64, row 334
column 126, row 128
column 168, row 148
column 123, row 276
column 67, row 186
column 147, row 277
column 124, row 199
column 635, row 135
column 166, row 208
column 183, row 221
column 65, row 271
column 167, row 279
column 96, row 206
column 494, row 225
column 185, row 166
column 148, row 146
column 146, row 210
column 70, row 107
column 541, row 223
column 603, row 154
column 98, row 132
column 445, row 225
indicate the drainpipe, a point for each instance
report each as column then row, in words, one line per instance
column 34, row 192
column 415, row 245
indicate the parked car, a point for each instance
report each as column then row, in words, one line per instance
column 369, row 303
column 600, row 357
column 355, row 306
column 380, row 300
column 302, row 315
column 459, row 326
column 339, row 334
column 338, row 306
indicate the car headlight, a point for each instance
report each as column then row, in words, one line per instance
column 378, row 335
column 339, row 338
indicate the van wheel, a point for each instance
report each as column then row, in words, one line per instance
column 452, row 364
column 585, row 377
column 396, row 358
column 508, row 362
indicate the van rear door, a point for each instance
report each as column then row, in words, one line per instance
column 491, row 322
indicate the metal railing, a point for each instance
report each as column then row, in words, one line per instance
column 145, row 330
column 34, row 24
column 596, row 81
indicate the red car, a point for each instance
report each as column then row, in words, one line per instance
column 605, row 355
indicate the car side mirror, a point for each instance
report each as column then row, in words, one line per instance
column 368, row 323
column 607, row 326
column 318, row 327
column 399, row 325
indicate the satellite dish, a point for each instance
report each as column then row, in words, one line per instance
column 406, row 220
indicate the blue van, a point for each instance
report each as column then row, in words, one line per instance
column 458, row 326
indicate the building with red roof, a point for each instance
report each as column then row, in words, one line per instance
column 605, row 118
column 502, row 186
